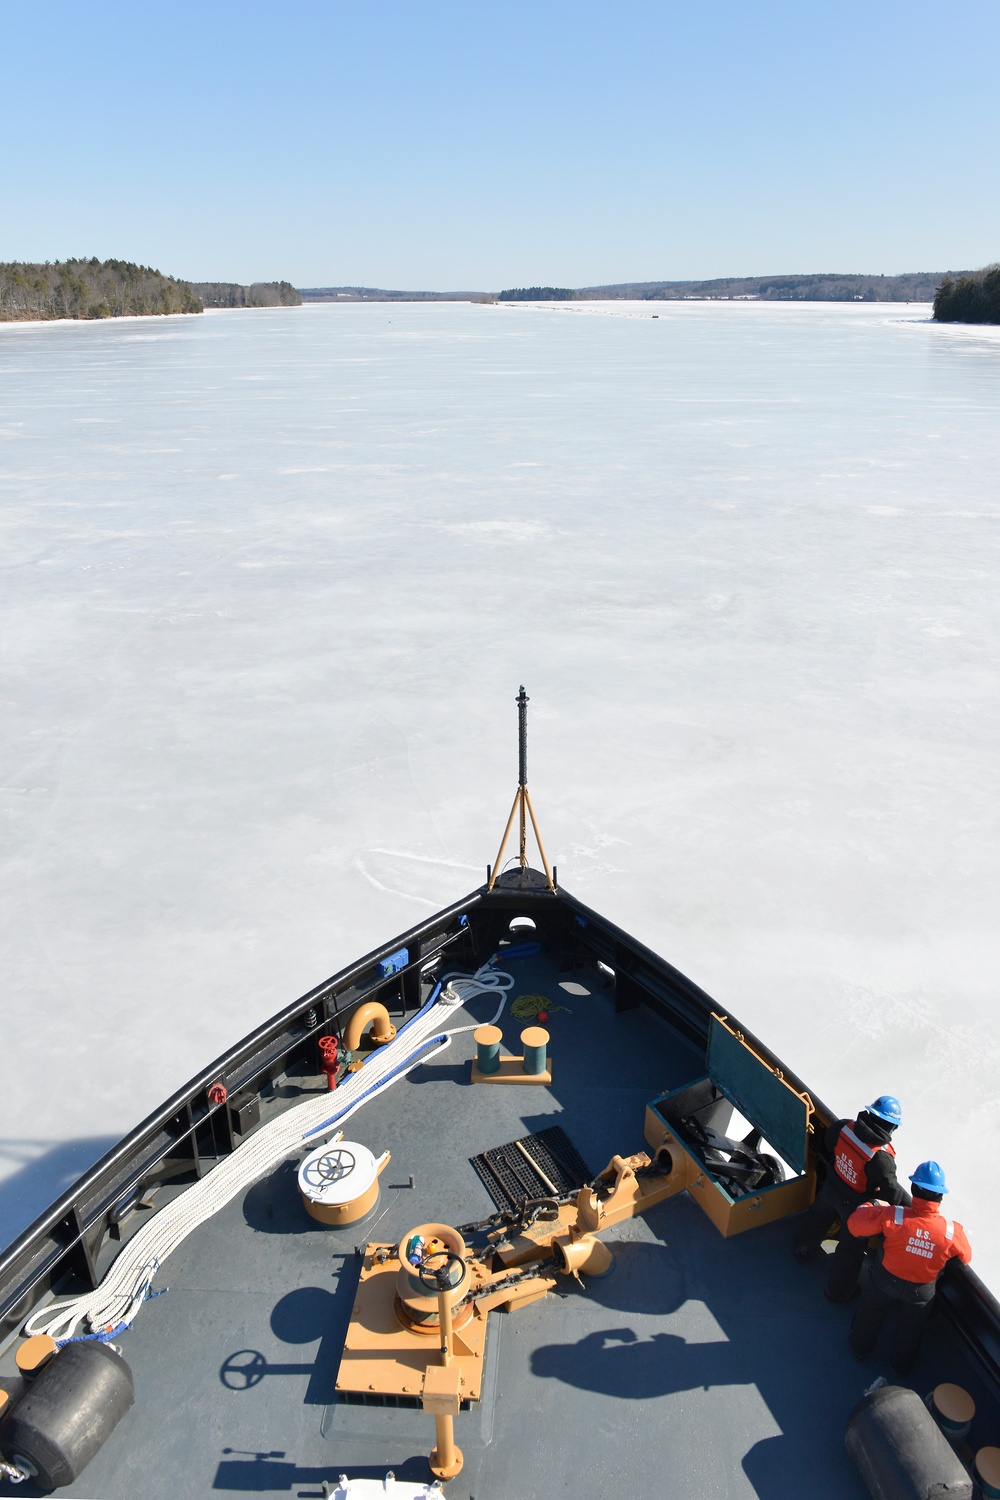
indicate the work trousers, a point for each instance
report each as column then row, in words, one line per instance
column 912, row 1302
column 814, row 1227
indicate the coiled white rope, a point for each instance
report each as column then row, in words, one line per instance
column 111, row 1307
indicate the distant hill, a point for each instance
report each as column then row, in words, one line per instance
column 258, row 294
column 378, row 294
column 914, row 286
column 89, row 289
column 973, row 298
column 829, row 286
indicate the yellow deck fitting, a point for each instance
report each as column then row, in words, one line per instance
column 534, row 1039
column 442, row 1399
column 394, row 1332
column 373, row 1013
column 954, row 1409
column 418, row 1324
column 34, row 1353
column 338, row 1182
column 988, row 1470
column 511, row 1071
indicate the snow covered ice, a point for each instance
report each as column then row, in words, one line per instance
column 271, row 581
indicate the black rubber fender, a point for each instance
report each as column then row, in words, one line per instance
column 69, row 1412
column 899, row 1450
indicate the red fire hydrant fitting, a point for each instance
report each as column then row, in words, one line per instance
column 328, row 1049
column 217, row 1094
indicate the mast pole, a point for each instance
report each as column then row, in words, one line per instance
column 522, row 803
column 522, row 767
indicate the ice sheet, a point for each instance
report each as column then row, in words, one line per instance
column 271, row 581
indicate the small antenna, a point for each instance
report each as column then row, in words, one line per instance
column 522, row 802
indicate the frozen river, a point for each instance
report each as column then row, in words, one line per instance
column 270, row 581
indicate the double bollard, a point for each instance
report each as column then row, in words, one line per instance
column 534, row 1066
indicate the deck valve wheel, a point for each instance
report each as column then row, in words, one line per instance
column 439, row 1278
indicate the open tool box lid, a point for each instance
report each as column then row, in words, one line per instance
column 760, row 1094
column 738, row 1078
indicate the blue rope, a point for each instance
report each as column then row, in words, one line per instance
column 517, row 950
column 409, row 1062
column 110, row 1333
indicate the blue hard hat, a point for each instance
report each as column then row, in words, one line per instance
column 887, row 1108
column 929, row 1176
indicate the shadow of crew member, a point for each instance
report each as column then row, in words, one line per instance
column 861, row 1166
column 918, row 1242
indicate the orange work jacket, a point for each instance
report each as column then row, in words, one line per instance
column 851, row 1156
column 919, row 1240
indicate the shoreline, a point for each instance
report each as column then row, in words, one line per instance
column 132, row 318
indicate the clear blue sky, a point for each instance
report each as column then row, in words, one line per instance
column 480, row 145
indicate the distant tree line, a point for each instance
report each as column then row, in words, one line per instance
column 90, row 289
column 824, row 286
column 974, row 298
column 258, row 294
column 538, row 294
column 831, row 286
column 380, row 294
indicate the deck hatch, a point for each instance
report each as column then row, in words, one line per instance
column 759, row 1093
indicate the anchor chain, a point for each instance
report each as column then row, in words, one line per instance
column 514, row 1279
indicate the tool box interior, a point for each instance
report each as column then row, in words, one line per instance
column 740, row 1134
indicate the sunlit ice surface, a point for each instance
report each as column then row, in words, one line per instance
column 271, row 580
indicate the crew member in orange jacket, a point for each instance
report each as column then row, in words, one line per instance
column 861, row 1166
column 918, row 1242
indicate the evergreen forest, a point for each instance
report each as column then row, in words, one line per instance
column 90, row 289
column 118, row 289
column 539, row 294
column 974, row 298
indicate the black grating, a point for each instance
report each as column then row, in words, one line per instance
column 510, row 1180
column 401, row 1403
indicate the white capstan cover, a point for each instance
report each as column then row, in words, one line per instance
column 338, row 1172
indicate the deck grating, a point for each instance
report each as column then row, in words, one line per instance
column 509, row 1179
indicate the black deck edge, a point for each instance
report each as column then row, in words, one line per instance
column 966, row 1302
column 65, row 1207
column 699, row 1000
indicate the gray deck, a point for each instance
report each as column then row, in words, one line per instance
column 700, row 1367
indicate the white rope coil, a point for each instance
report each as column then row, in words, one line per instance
column 117, row 1300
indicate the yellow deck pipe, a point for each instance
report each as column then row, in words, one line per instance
column 382, row 1031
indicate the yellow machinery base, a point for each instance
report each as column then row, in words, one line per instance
column 511, row 1070
column 382, row 1357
